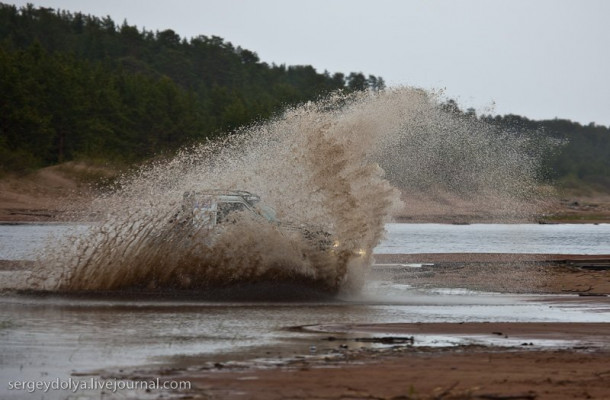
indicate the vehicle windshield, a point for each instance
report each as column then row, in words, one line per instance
column 213, row 208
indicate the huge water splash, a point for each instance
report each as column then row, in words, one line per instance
column 339, row 164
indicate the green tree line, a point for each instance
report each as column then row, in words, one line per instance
column 572, row 154
column 583, row 154
column 77, row 86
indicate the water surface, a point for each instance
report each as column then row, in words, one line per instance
column 497, row 238
column 25, row 241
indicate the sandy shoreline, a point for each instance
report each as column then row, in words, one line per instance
column 504, row 273
column 459, row 373
column 62, row 192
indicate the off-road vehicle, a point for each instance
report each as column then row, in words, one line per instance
column 213, row 208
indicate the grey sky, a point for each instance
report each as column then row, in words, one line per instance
column 537, row 58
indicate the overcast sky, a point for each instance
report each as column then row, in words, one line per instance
column 537, row 58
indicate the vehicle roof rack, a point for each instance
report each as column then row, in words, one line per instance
column 250, row 197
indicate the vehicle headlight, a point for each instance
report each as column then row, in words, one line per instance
column 361, row 252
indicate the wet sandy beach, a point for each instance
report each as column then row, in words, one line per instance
column 403, row 373
column 505, row 360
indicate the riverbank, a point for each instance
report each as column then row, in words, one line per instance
column 585, row 275
column 63, row 203
column 62, row 192
column 572, row 207
column 51, row 194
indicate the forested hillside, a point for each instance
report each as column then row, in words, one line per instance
column 79, row 87
column 583, row 156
